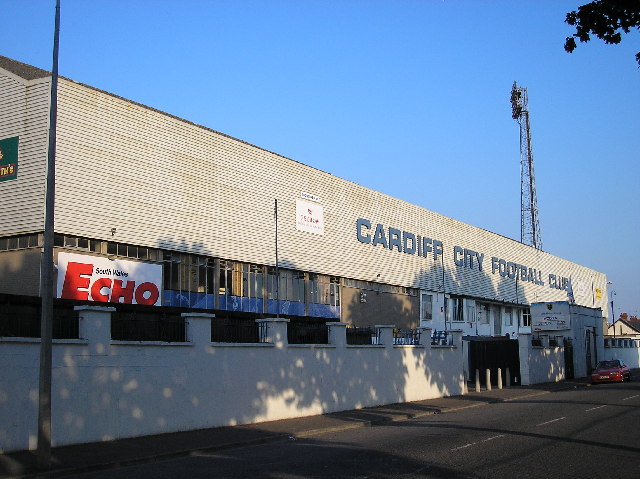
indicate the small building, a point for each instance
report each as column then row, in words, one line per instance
column 624, row 328
column 577, row 329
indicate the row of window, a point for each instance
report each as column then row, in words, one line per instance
column 379, row 287
column 454, row 307
column 201, row 274
column 19, row 242
column 185, row 272
column 189, row 273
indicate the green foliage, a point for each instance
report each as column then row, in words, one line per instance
column 606, row 19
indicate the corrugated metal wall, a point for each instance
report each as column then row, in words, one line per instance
column 24, row 109
column 164, row 182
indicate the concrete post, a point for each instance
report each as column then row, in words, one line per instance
column 456, row 338
column 499, row 378
column 477, row 380
column 425, row 337
column 198, row 328
column 385, row 334
column 338, row 334
column 95, row 327
column 488, row 375
column 524, row 345
column 276, row 331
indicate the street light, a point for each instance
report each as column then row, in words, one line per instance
column 613, row 314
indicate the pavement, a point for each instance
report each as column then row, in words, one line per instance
column 82, row 458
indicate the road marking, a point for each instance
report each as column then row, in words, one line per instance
column 465, row 446
column 493, row 437
column 631, row 397
column 477, row 442
column 598, row 407
column 549, row 422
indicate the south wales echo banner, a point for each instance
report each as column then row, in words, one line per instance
column 96, row 278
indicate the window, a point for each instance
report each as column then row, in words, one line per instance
column 455, row 309
column 508, row 316
column 333, row 297
column 471, row 311
column 226, row 285
column 183, row 272
column 19, row 242
column 292, row 287
column 426, row 306
column 483, row 314
column 526, row 317
column 252, row 280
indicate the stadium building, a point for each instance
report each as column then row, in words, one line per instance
column 155, row 213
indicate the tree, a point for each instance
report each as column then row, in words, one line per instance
column 606, row 19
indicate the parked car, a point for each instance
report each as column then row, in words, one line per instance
column 613, row 370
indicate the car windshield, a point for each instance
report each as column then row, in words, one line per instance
column 608, row 364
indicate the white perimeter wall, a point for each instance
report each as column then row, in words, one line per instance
column 626, row 349
column 105, row 389
column 540, row 364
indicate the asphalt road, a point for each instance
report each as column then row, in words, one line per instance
column 589, row 432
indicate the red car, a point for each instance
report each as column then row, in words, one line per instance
column 613, row 370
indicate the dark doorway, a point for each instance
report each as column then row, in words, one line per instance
column 494, row 354
column 568, row 359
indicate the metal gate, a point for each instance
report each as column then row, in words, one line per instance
column 493, row 354
column 568, row 359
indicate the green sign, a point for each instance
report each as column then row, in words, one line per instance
column 9, row 159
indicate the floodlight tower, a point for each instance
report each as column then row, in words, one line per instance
column 529, row 222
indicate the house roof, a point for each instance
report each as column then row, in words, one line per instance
column 22, row 70
column 633, row 325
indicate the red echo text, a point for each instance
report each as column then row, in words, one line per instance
column 76, row 280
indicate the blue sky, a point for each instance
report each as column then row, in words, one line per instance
column 407, row 97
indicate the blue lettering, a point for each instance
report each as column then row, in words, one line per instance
column 457, row 250
column 494, row 264
column 406, row 238
column 425, row 246
column 359, row 225
column 502, row 268
column 437, row 249
column 380, row 237
column 394, row 239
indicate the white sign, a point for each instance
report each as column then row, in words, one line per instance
column 309, row 196
column 551, row 321
column 96, row 278
column 309, row 217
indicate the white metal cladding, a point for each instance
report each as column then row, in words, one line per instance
column 24, row 107
column 164, row 182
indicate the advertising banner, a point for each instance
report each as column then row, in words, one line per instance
column 9, row 159
column 96, row 278
column 309, row 217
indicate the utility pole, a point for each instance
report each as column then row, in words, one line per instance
column 46, row 271
column 275, row 214
column 529, row 221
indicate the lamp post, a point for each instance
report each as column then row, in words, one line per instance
column 613, row 314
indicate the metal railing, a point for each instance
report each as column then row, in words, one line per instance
column 303, row 332
column 406, row 336
column 226, row 330
column 441, row 338
column 144, row 326
column 65, row 325
column 361, row 336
